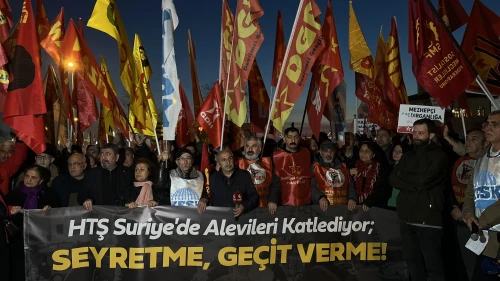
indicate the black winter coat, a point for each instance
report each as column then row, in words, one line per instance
column 421, row 176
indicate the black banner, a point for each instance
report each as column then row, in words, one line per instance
column 177, row 243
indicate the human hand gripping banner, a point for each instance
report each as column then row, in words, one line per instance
column 177, row 243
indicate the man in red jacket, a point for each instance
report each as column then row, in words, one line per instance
column 10, row 165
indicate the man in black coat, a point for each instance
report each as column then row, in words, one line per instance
column 225, row 182
column 421, row 175
column 69, row 186
column 106, row 184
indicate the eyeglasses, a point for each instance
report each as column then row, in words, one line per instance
column 487, row 124
column 75, row 164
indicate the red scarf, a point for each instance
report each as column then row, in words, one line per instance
column 370, row 172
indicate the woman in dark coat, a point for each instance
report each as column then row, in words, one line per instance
column 32, row 193
column 144, row 192
column 371, row 176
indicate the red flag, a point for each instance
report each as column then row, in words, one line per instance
column 248, row 38
column 329, row 73
column 25, row 101
column 51, row 88
column 5, row 20
column 85, row 102
column 210, row 118
column 279, row 50
column 195, row 84
column 53, row 41
column 480, row 45
column 185, row 120
column 452, row 13
column 259, row 100
column 42, row 22
column 393, row 71
column 301, row 55
column 438, row 65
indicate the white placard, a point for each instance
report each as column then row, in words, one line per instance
column 362, row 123
column 409, row 113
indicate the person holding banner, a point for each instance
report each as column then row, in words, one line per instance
column 186, row 183
column 331, row 184
column 292, row 165
column 5, row 248
column 106, row 184
column 371, row 176
column 32, row 193
column 268, row 185
column 144, row 192
column 227, row 182
column 421, row 176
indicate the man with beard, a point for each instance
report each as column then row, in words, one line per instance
column 106, row 184
column 293, row 166
column 421, row 177
column 261, row 170
column 225, row 182
column 331, row 184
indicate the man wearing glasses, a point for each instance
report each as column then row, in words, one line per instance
column 186, row 183
column 69, row 186
column 45, row 159
column 481, row 207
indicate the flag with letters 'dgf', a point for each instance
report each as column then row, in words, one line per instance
column 437, row 62
column 210, row 116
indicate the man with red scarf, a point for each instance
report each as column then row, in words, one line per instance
column 292, row 166
column 331, row 184
column 261, row 170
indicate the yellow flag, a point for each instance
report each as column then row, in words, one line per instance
column 106, row 114
column 358, row 48
column 144, row 72
column 106, row 18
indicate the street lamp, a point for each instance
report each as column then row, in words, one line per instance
column 70, row 64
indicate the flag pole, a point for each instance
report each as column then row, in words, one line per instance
column 283, row 66
column 479, row 80
column 463, row 122
column 355, row 129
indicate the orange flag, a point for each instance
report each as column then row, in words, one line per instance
column 42, row 22
column 378, row 69
column 210, row 118
column 301, row 55
column 279, row 50
column 5, row 20
column 480, row 45
column 452, row 13
column 53, row 40
column 329, row 74
column 195, row 84
column 438, row 65
column 25, row 101
column 226, row 41
column 248, row 38
column 393, row 72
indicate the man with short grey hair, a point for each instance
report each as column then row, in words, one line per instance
column 268, row 185
column 6, row 149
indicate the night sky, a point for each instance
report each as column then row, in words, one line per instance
column 203, row 18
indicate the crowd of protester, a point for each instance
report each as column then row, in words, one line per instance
column 427, row 178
